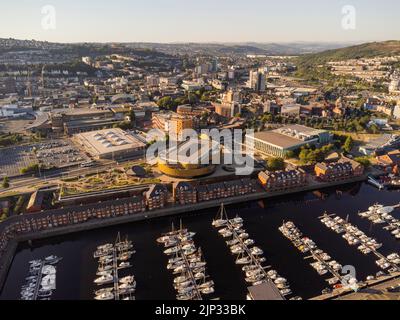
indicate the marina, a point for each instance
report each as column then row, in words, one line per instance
column 75, row 275
column 186, row 261
column 248, row 256
column 41, row 281
column 112, row 260
column 381, row 215
column 323, row 262
column 367, row 245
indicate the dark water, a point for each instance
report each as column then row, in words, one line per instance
column 76, row 272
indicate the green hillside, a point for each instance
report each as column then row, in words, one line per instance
column 367, row 50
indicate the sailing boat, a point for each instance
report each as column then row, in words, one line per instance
column 222, row 218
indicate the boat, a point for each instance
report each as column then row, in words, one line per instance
column 49, row 282
column 128, row 279
column 102, row 291
column 124, row 265
column 124, row 286
column 249, row 242
column 206, row 284
column 256, row 251
column 221, row 220
column 219, row 223
column 125, row 256
column 233, row 242
column 208, row 290
column 237, row 250
column 243, row 236
column 171, row 251
column 244, row 260
column 105, row 279
column 105, row 296
column 181, row 279
column 48, row 269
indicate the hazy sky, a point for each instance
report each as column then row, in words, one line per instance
column 200, row 20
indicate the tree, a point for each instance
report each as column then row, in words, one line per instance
column 364, row 161
column 6, row 182
column 348, row 145
column 374, row 129
column 166, row 103
column 290, row 154
column 275, row 164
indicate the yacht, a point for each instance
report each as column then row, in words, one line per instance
column 105, row 296
column 124, row 286
column 171, row 251
column 256, row 251
column 105, row 279
column 232, row 242
column 249, row 242
column 244, row 260
column 219, row 223
column 208, row 290
column 237, row 220
column 124, row 265
column 48, row 269
column 243, row 236
column 102, row 291
column 128, row 279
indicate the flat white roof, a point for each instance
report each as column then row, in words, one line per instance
column 108, row 141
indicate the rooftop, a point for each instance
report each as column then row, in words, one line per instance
column 277, row 139
column 108, row 140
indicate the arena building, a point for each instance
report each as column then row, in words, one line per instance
column 178, row 162
column 110, row 144
column 288, row 138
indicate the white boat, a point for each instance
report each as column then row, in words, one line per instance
column 181, row 279
column 227, row 234
column 127, row 285
column 237, row 249
column 219, row 223
column 243, row 236
column 237, row 220
column 232, row 242
column 208, row 290
column 244, row 260
column 286, row 292
column 104, row 279
column 128, row 279
column 171, row 250
column 206, row 284
column 256, row 251
column 164, row 239
column 102, row 291
column 48, row 269
column 249, row 242
column 124, row 265
column 49, row 282
column 280, row 280
column 105, row 296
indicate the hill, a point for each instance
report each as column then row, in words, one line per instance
column 366, row 50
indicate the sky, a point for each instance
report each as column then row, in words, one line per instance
column 200, row 20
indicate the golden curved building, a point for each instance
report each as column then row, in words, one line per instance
column 180, row 163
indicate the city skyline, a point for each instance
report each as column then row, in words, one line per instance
column 206, row 22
